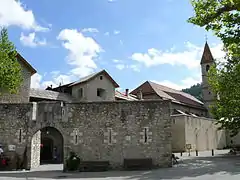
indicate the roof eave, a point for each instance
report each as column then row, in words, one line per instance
column 24, row 61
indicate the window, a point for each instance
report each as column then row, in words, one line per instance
column 145, row 135
column 207, row 68
column 20, row 136
column 100, row 92
column 101, row 77
column 110, row 136
column 76, row 137
column 80, row 93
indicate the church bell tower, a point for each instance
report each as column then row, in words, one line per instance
column 206, row 62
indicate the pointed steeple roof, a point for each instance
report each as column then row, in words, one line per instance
column 207, row 56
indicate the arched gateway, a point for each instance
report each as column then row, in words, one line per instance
column 106, row 133
column 47, row 147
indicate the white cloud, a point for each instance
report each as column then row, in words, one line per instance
column 31, row 40
column 92, row 30
column 120, row 66
column 189, row 58
column 62, row 78
column 121, row 42
column 36, row 81
column 116, row 60
column 12, row 13
column 82, row 51
column 45, row 84
column 106, row 33
column 134, row 67
column 116, row 32
column 185, row 83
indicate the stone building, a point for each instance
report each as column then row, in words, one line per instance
column 99, row 123
column 89, row 118
column 24, row 91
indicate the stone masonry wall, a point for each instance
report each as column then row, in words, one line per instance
column 101, row 131
column 14, row 123
column 93, row 122
column 35, row 149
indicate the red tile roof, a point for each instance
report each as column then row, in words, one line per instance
column 168, row 93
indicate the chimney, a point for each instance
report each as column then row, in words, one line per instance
column 126, row 92
column 140, row 96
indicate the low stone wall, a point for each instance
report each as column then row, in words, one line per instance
column 99, row 131
column 113, row 131
column 202, row 133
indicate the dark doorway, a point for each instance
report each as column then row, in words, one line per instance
column 51, row 151
column 46, row 152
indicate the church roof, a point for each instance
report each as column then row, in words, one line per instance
column 168, row 93
column 207, row 56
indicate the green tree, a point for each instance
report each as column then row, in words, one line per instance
column 195, row 90
column 10, row 70
column 223, row 18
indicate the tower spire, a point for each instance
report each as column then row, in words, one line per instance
column 207, row 56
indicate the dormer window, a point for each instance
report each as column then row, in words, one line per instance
column 207, row 68
column 101, row 77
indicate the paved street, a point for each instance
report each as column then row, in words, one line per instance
column 203, row 167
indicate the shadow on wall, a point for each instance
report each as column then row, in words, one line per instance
column 200, row 166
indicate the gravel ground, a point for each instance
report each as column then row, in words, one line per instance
column 203, row 167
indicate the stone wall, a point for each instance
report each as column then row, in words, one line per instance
column 23, row 95
column 14, row 127
column 35, row 149
column 126, row 121
column 202, row 133
column 178, row 134
column 100, row 131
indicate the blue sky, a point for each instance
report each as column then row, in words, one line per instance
column 134, row 40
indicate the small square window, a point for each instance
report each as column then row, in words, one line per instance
column 100, row 92
column 101, row 77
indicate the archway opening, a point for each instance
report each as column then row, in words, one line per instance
column 46, row 147
column 46, row 152
column 51, row 151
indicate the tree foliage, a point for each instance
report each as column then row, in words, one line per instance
column 10, row 70
column 195, row 91
column 223, row 18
